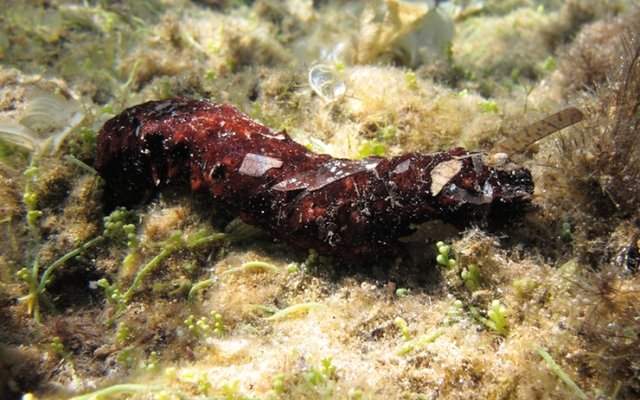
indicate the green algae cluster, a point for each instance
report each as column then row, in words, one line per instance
column 174, row 299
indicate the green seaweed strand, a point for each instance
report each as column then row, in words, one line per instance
column 36, row 288
column 118, row 389
column 197, row 286
column 555, row 368
column 297, row 308
column 175, row 243
column 252, row 265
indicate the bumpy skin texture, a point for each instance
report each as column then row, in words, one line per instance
column 346, row 208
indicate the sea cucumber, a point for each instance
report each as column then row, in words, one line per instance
column 341, row 207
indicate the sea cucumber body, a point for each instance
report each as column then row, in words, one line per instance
column 342, row 207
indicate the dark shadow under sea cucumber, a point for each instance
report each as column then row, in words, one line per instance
column 347, row 208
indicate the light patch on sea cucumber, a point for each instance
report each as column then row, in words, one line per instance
column 442, row 174
column 257, row 164
column 329, row 172
column 402, row 167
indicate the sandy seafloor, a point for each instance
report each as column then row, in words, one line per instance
column 174, row 299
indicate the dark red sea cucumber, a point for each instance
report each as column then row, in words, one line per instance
column 341, row 207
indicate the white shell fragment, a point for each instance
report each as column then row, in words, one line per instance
column 329, row 172
column 443, row 173
column 257, row 164
column 497, row 160
column 402, row 167
column 48, row 118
